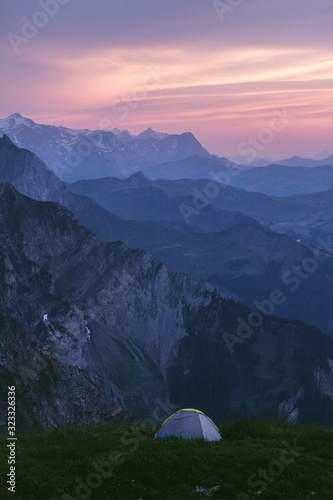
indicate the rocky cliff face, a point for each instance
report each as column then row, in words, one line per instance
column 49, row 393
column 264, row 366
column 101, row 328
column 113, row 312
column 172, row 147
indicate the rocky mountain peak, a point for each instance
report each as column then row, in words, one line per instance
column 6, row 141
column 139, row 179
column 149, row 133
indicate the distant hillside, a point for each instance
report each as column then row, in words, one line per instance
column 324, row 158
column 278, row 180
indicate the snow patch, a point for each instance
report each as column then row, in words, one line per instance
column 324, row 380
column 288, row 408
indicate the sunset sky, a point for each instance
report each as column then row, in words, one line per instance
column 177, row 66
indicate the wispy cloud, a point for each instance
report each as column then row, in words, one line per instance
column 220, row 80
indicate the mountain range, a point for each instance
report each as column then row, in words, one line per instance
column 278, row 180
column 237, row 255
column 121, row 291
column 127, row 332
column 296, row 161
column 272, row 180
column 85, row 154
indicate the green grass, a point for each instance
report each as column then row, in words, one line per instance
column 48, row 464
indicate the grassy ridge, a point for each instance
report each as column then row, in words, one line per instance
column 282, row 461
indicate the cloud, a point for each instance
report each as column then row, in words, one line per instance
column 93, row 57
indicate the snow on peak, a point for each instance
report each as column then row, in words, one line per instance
column 15, row 119
column 116, row 131
column 15, row 115
column 149, row 133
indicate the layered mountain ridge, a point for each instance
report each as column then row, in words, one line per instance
column 123, row 323
column 220, row 245
column 93, row 331
column 85, row 154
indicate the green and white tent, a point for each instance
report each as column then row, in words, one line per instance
column 189, row 424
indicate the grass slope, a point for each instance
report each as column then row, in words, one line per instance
column 49, row 464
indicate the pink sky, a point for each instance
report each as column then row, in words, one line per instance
column 177, row 67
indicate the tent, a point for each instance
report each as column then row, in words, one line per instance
column 189, row 424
